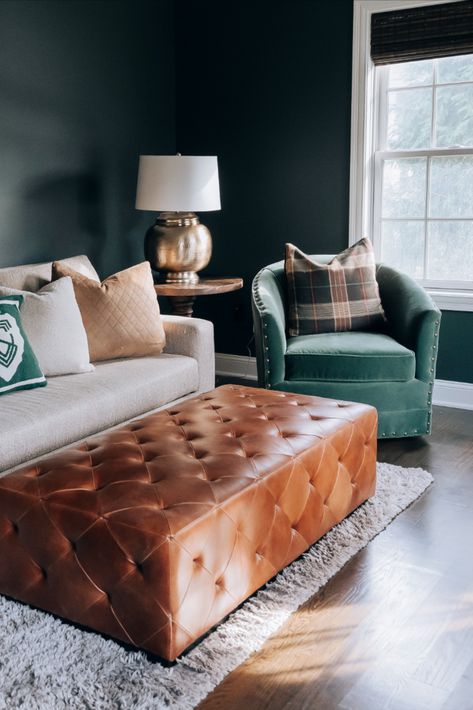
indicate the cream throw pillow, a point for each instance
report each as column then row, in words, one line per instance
column 51, row 319
column 121, row 315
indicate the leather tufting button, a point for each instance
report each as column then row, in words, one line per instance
column 14, row 527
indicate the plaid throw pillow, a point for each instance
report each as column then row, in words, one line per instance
column 328, row 298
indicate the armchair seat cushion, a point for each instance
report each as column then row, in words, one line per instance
column 349, row 357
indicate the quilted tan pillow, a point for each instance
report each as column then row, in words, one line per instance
column 120, row 315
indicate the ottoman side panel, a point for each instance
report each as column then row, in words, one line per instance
column 226, row 556
column 61, row 552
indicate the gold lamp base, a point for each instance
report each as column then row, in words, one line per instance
column 179, row 245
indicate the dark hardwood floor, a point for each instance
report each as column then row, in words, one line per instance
column 394, row 628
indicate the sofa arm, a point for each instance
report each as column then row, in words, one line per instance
column 269, row 328
column 193, row 337
column 413, row 318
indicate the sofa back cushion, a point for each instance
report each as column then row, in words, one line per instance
column 53, row 324
column 32, row 277
column 121, row 315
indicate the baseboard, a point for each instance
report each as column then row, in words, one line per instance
column 446, row 392
column 239, row 366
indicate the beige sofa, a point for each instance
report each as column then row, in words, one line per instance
column 35, row 422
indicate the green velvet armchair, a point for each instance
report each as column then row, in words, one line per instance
column 392, row 370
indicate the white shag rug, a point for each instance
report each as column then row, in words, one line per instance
column 46, row 664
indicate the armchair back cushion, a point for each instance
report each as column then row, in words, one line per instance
column 339, row 296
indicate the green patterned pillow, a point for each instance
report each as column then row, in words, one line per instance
column 19, row 369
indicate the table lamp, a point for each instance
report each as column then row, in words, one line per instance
column 177, row 186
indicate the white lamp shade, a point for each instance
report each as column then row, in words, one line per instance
column 178, row 183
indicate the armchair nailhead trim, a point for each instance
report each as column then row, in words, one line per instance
column 261, row 309
column 431, row 381
column 398, row 434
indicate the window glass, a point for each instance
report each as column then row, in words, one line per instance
column 404, row 194
column 454, row 116
column 411, row 73
column 450, row 250
column 409, row 119
column 403, row 247
column 451, row 69
column 451, row 186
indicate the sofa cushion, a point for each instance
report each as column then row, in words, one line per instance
column 31, row 277
column 349, row 357
column 53, row 324
column 121, row 315
column 19, row 368
column 74, row 406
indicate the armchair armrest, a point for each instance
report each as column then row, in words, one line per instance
column 193, row 337
column 413, row 318
column 269, row 327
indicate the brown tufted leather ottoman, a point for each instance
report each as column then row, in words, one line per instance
column 153, row 532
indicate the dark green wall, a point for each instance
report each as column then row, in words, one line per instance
column 267, row 87
column 455, row 361
column 260, row 85
column 84, row 88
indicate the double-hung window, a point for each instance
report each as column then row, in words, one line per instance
column 412, row 160
column 423, row 174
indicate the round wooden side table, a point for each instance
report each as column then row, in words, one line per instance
column 182, row 296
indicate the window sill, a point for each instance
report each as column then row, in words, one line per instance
column 452, row 300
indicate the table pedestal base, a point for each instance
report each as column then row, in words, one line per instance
column 182, row 305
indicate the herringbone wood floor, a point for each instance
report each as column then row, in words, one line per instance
column 394, row 628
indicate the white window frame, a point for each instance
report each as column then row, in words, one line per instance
column 364, row 124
